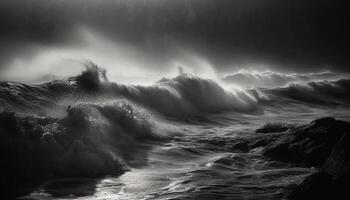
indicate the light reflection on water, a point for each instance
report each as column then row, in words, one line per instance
column 199, row 164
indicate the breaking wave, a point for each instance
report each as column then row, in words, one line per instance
column 184, row 95
column 319, row 93
column 91, row 140
column 106, row 128
column 188, row 95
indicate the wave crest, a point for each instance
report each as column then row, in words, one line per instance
column 321, row 93
column 182, row 96
column 188, row 95
column 273, row 79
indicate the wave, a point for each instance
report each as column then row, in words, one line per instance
column 91, row 140
column 319, row 93
column 108, row 128
column 40, row 97
column 20, row 96
column 274, row 79
column 184, row 95
column 187, row 95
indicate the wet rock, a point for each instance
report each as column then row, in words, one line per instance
column 309, row 145
column 324, row 120
column 322, row 185
column 272, row 127
column 325, row 144
column 260, row 142
column 317, row 186
column 338, row 162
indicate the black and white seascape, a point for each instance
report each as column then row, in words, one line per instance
column 174, row 99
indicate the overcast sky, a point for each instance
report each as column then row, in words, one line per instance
column 288, row 35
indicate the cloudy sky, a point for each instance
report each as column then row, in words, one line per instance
column 153, row 36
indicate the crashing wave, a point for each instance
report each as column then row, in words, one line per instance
column 91, row 140
column 183, row 95
column 26, row 97
column 187, row 95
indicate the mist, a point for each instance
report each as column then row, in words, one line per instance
column 151, row 38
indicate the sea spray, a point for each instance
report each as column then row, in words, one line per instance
column 90, row 141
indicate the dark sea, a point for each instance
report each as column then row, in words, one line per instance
column 181, row 138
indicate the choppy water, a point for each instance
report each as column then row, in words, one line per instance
column 178, row 138
column 200, row 163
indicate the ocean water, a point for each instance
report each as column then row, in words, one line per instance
column 182, row 138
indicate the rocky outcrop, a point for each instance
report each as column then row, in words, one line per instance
column 316, row 186
column 322, row 185
column 325, row 144
column 273, row 127
column 309, row 145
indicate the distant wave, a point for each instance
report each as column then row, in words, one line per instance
column 274, row 79
column 320, row 93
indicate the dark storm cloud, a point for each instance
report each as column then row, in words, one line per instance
column 299, row 35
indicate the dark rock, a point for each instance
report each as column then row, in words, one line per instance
column 324, row 144
column 322, row 185
column 260, row 143
column 309, row 145
column 316, row 186
column 339, row 160
column 341, row 184
column 265, row 130
column 280, row 150
column 273, row 127
column 323, row 120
